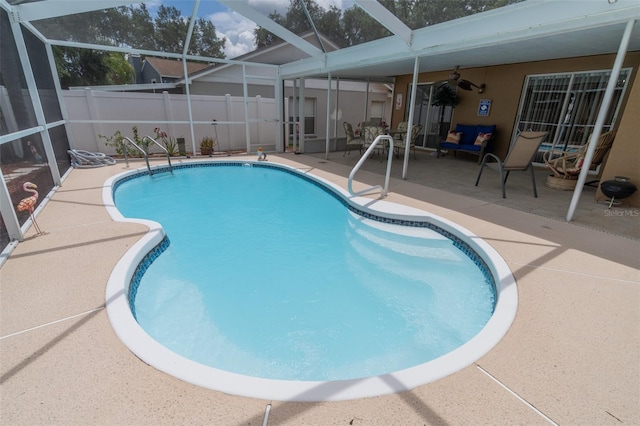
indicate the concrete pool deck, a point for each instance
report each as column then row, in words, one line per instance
column 571, row 356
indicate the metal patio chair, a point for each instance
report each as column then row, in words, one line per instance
column 399, row 144
column 352, row 140
column 519, row 158
column 370, row 134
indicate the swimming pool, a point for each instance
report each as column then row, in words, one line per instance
column 380, row 217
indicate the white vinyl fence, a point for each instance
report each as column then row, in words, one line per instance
column 92, row 113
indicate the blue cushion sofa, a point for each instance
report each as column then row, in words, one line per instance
column 468, row 139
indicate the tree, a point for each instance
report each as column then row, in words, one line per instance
column 360, row 27
column 123, row 26
column 329, row 25
column 87, row 67
column 205, row 41
column 444, row 97
column 263, row 37
column 295, row 20
column 354, row 26
column 170, row 29
column 141, row 28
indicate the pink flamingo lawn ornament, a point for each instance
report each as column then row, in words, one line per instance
column 29, row 204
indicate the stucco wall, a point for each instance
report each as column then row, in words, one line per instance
column 624, row 157
column 504, row 87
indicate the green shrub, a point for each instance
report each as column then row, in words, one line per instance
column 171, row 144
column 118, row 142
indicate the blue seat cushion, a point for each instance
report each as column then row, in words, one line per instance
column 469, row 133
column 468, row 139
column 471, row 147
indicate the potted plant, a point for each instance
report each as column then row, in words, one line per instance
column 207, row 144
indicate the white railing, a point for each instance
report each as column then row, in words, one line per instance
column 364, row 158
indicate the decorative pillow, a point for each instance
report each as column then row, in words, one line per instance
column 482, row 138
column 453, row 136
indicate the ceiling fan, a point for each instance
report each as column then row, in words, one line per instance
column 455, row 80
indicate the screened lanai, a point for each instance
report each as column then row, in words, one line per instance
column 380, row 41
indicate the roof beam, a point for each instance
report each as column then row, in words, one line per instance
column 53, row 8
column 387, row 19
column 244, row 9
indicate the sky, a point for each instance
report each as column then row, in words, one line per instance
column 235, row 28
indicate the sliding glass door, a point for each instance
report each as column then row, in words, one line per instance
column 428, row 116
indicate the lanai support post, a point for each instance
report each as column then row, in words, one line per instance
column 606, row 102
column 328, row 120
column 185, row 72
column 407, row 139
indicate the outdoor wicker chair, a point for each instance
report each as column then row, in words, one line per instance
column 569, row 164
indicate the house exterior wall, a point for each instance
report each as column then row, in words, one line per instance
column 624, row 157
column 504, row 87
column 148, row 74
column 352, row 99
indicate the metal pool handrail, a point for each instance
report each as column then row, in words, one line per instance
column 144, row 153
column 361, row 162
column 162, row 148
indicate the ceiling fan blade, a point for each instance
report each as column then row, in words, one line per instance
column 465, row 84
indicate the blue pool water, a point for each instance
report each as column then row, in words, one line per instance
column 270, row 275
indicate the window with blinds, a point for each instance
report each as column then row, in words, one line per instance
column 377, row 112
column 566, row 105
column 309, row 116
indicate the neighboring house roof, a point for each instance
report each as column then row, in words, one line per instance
column 258, row 55
column 278, row 53
column 172, row 67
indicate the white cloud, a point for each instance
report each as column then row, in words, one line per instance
column 325, row 4
column 237, row 30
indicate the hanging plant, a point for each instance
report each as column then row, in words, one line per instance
column 443, row 97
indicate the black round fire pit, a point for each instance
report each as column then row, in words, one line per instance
column 619, row 188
